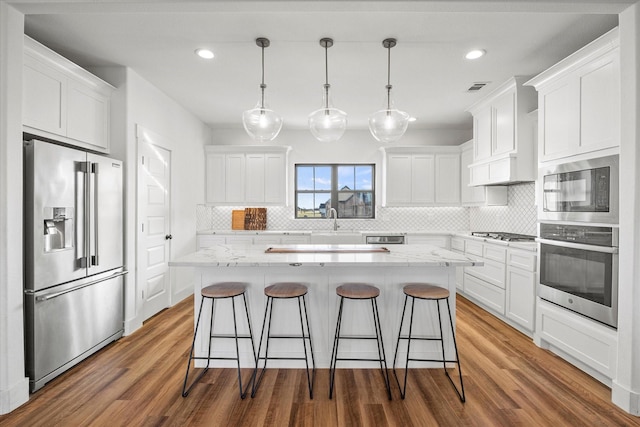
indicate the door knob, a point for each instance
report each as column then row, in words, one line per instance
column 168, row 237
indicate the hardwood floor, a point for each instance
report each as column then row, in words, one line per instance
column 137, row 381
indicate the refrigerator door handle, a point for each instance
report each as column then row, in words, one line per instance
column 82, row 214
column 94, row 190
column 53, row 295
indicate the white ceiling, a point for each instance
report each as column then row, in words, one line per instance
column 429, row 74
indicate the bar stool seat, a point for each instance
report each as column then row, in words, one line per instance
column 215, row 292
column 285, row 290
column 224, row 290
column 427, row 292
column 359, row 291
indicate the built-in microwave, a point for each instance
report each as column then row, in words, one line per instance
column 584, row 191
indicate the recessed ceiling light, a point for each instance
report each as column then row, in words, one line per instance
column 204, row 53
column 475, row 54
column 412, row 119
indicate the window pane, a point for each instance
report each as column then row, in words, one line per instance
column 322, row 178
column 364, row 178
column 304, row 177
column 355, row 205
column 312, row 205
column 346, row 178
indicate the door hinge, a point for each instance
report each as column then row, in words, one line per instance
column 143, row 227
column 142, row 160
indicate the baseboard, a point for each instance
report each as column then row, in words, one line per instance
column 626, row 399
column 180, row 295
column 15, row 396
column 132, row 325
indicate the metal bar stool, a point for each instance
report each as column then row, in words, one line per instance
column 359, row 291
column 285, row 290
column 214, row 292
column 427, row 292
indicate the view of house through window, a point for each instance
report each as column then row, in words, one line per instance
column 349, row 189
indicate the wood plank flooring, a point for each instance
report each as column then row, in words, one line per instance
column 137, row 381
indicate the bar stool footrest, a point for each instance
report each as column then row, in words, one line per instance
column 360, row 360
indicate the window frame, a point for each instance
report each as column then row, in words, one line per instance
column 334, row 191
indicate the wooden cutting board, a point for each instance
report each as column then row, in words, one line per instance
column 255, row 218
column 237, row 220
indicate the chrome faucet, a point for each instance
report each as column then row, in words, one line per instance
column 334, row 214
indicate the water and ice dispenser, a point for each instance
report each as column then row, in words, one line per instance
column 58, row 228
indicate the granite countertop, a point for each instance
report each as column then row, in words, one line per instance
column 255, row 256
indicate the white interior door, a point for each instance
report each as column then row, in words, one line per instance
column 154, row 226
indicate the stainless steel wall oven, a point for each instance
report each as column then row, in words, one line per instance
column 579, row 269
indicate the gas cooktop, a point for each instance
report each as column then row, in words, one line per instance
column 507, row 237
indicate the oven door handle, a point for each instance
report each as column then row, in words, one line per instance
column 582, row 246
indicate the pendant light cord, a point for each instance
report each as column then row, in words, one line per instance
column 262, row 85
column 326, row 78
column 389, row 77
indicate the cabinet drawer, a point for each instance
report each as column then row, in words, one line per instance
column 473, row 248
column 495, row 253
column 522, row 259
column 487, row 294
column 457, row 244
column 492, row 271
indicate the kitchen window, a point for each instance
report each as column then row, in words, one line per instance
column 348, row 188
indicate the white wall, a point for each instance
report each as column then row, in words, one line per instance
column 138, row 103
column 14, row 386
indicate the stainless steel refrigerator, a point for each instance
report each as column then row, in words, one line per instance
column 73, row 257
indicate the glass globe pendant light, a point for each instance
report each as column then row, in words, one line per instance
column 388, row 124
column 327, row 124
column 262, row 123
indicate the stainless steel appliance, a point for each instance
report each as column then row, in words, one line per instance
column 585, row 191
column 385, row 239
column 507, row 237
column 73, row 253
column 579, row 269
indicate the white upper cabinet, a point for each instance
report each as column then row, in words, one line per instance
column 495, row 195
column 421, row 176
column 504, row 150
column 62, row 101
column 246, row 175
column 579, row 101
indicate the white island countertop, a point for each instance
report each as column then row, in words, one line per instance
column 324, row 255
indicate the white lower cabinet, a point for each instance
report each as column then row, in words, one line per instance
column 484, row 292
column 521, row 297
column 441, row 241
column 591, row 346
column 505, row 284
column 207, row 240
column 457, row 246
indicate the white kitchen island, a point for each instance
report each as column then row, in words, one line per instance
column 322, row 268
